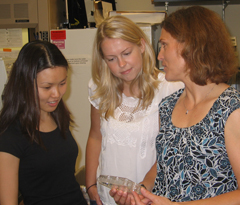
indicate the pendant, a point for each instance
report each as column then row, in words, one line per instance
column 186, row 112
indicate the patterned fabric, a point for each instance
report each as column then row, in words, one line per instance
column 192, row 162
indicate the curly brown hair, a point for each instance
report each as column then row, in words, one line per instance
column 208, row 51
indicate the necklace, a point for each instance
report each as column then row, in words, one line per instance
column 187, row 110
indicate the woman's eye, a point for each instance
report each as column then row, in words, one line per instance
column 163, row 45
column 63, row 83
column 128, row 53
column 109, row 59
column 47, row 88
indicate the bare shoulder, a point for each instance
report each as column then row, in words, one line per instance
column 232, row 124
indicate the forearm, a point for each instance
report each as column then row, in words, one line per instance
column 92, row 156
column 149, row 178
column 230, row 198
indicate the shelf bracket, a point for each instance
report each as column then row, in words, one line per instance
column 166, row 6
column 224, row 6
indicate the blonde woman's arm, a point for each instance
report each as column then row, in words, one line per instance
column 92, row 155
column 149, row 178
column 9, row 168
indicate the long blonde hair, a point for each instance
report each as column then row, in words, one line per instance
column 109, row 88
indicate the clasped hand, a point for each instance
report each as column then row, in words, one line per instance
column 125, row 198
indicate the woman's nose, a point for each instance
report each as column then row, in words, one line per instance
column 121, row 62
column 56, row 92
column 160, row 55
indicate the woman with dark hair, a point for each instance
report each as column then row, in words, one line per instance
column 198, row 144
column 37, row 150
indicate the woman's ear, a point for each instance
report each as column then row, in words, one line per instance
column 142, row 47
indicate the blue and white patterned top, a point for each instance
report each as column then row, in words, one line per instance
column 192, row 162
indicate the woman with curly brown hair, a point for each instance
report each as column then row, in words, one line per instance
column 199, row 138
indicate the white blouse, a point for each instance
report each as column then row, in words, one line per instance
column 128, row 140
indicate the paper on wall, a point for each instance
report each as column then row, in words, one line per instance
column 11, row 38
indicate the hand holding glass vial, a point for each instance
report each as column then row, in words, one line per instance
column 120, row 183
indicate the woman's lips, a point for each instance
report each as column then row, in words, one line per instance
column 53, row 103
column 126, row 71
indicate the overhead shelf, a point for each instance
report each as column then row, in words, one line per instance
column 224, row 3
column 213, row 2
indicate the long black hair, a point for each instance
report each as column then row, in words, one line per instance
column 20, row 95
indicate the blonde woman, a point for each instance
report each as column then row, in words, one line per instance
column 124, row 93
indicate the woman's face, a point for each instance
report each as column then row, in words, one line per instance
column 170, row 55
column 123, row 58
column 52, row 84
